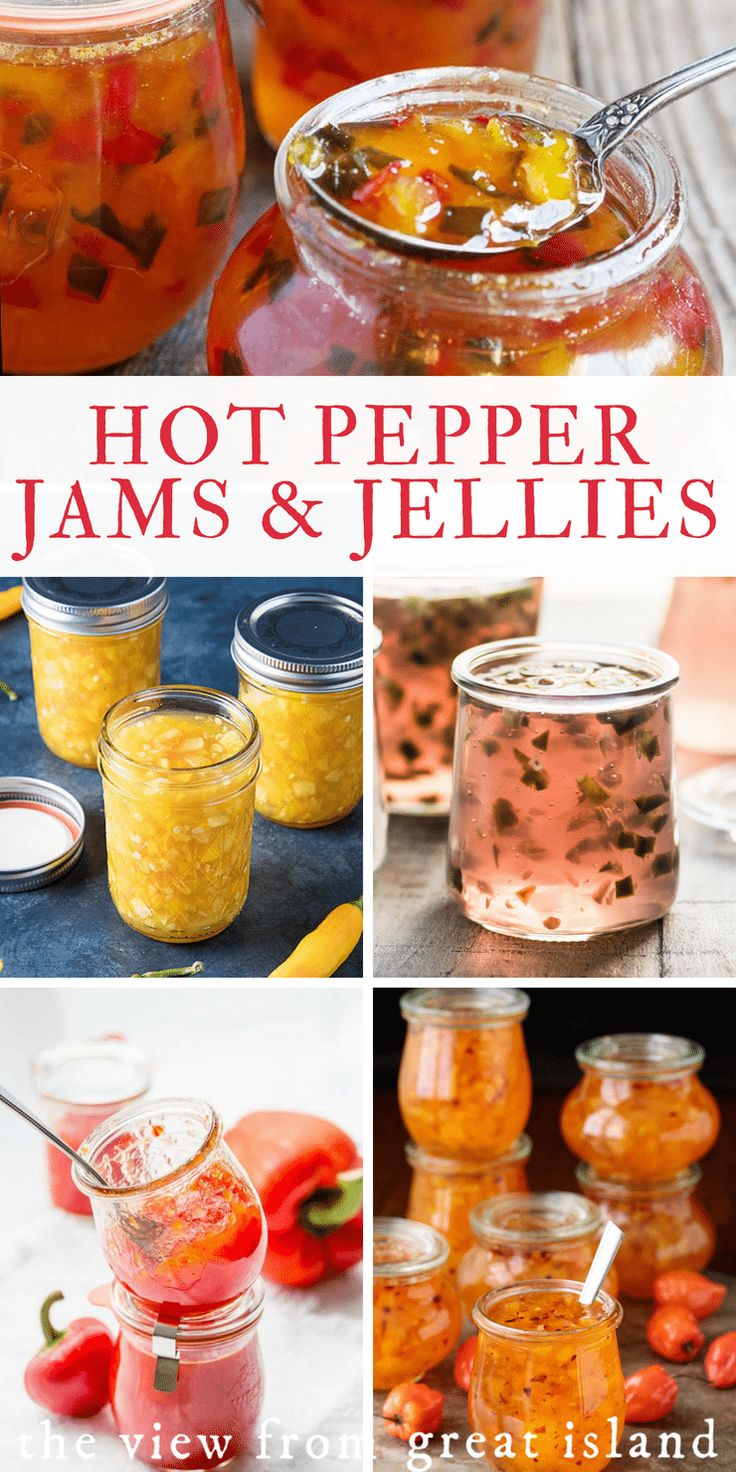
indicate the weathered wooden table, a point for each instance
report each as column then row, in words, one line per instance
column 608, row 47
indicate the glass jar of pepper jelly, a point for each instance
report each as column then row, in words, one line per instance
column 416, row 1310
column 212, row 1393
column 444, row 1191
column 309, row 291
column 299, row 657
column 640, row 1112
column 664, row 1225
column 121, row 150
column 179, row 1221
column 465, row 1085
column 93, row 641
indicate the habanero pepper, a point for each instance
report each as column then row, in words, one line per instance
column 70, row 1374
column 309, row 1177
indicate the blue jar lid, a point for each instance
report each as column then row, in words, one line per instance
column 305, row 639
column 95, row 605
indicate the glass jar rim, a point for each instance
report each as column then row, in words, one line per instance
column 611, row 1188
column 52, row 1065
column 276, row 654
column 428, row 1250
column 611, row 1317
column 640, row 1055
column 47, row 19
column 131, row 604
column 105, row 1133
column 535, row 1218
column 421, row 1159
column 664, row 669
column 197, row 698
column 216, row 1325
column 472, row 1007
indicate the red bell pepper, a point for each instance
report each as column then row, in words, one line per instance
column 309, row 1177
column 70, row 1374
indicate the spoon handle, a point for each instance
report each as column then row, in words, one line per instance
column 30, row 1118
column 608, row 127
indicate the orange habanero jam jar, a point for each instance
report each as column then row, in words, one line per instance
column 640, row 1113
column 444, row 1191
column 121, row 149
column 416, row 1310
column 664, row 1226
column 464, row 1083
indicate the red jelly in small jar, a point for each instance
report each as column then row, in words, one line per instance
column 179, row 1221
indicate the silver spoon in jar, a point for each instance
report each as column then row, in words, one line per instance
column 595, row 139
column 31, row 1118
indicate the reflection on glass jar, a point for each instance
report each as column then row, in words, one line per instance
column 664, row 1226
column 306, row 293
column 416, row 1310
column 443, row 1191
column 380, row 816
column 121, row 150
column 697, row 631
column 464, row 1083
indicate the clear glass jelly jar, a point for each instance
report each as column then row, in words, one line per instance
column 544, row 1361
column 80, row 1086
column 306, row 293
column 179, row 1222
column 664, row 1226
column 542, row 1234
column 122, row 145
column 444, row 1191
column 465, row 1086
column 416, row 1310
column 179, row 767
column 424, row 625
column 640, row 1112
column 299, row 657
column 563, row 822
column 93, row 640
column 219, row 1385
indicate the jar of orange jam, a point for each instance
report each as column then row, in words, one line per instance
column 663, row 1223
column 640, row 1112
column 545, row 1234
column 93, row 640
column 299, row 656
column 121, row 150
column 443, row 1191
column 547, row 1379
column 179, row 767
column 465, row 1087
column 416, row 1310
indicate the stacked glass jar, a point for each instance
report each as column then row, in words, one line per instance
column 639, row 1120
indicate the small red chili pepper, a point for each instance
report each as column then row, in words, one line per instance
column 132, row 146
column 692, row 1290
column 409, row 1409
column 720, row 1361
column 650, row 1395
column 463, row 1366
column 69, row 1376
column 368, row 191
column 674, row 1332
column 120, row 92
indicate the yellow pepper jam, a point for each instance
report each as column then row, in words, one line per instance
column 640, row 1112
column 299, row 656
column 465, row 1086
column 543, row 1234
column 121, row 149
column 665, row 1227
column 338, row 279
column 93, row 641
column 444, row 1191
column 416, row 1310
column 179, row 767
column 544, row 1361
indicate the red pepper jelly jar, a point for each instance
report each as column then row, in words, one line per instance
column 81, row 1085
column 179, row 1223
column 201, row 1400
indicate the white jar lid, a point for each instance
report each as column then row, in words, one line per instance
column 41, row 833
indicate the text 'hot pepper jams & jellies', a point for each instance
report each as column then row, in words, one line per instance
column 416, row 1310
column 444, row 1190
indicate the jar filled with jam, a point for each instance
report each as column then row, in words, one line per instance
column 444, row 1191
column 665, row 1227
column 416, row 1310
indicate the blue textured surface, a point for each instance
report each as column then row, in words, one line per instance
column 72, row 928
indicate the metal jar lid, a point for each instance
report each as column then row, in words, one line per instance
column 95, row 605
column 55, row 829
column 301, row 640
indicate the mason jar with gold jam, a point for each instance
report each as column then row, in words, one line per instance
column 444, row 1191
column 299, row 656
column 545, row 1234
column 465, row 1086
column 121, row 149
column 664, row 1226
column 179, row 767
column 416, row 1310
column 93, row 640
column 640, row 1112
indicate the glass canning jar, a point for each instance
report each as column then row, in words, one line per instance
column 563, row 818
column 380, row 816
column 80, row 1086
column 179, row 1222
column 640, row 1112
column 416, row 1310
column 179, row 767
column 424, row 625
column 544, row 1361
column 443, row 1191
column 664, row 1225
column 121, row 150
column 465, row 1086
column 93, row 640
column 299, row 657
column 305, row 293
column 542, row 1234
